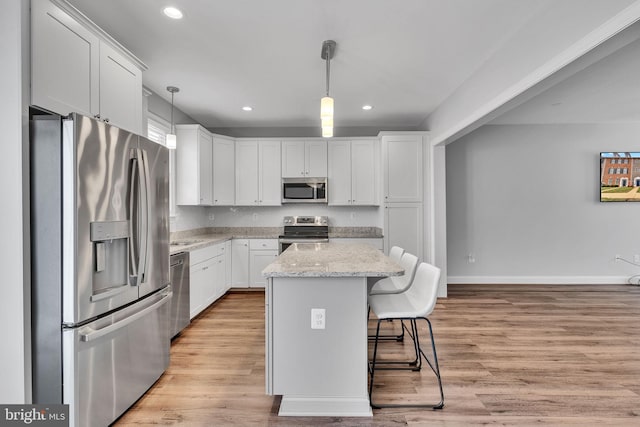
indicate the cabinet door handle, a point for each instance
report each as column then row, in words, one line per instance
column 106, row 120
column 96, row 116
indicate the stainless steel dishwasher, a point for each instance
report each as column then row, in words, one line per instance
column 180, row 316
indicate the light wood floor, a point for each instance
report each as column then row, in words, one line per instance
column 509, row 355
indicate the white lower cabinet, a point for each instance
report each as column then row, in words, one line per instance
column 259, row 260
column 240, row 263
column 207, row 277
column 228, row 263
column 250, row 257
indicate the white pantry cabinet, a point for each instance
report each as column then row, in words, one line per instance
column 194, row 166
column 304, row 159
column 403, row 227
column 223, row 171
column 258, row 173
column 77, row 67
column 352, row 172
column 402, row 164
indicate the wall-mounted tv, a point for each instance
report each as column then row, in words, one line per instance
column 619, row 177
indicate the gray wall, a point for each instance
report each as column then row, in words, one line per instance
column 524, row 201
column 14, row 305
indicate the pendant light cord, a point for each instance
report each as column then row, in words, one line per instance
column 328, row 53
column 172, row 126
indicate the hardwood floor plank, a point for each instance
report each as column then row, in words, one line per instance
column 525, row 355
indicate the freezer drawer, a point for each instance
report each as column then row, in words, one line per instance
column 110, row 363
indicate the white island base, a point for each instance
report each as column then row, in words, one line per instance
column 321, row 371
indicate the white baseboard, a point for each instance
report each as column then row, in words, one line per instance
column 540, row 280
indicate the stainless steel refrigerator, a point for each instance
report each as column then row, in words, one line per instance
column 100, row 265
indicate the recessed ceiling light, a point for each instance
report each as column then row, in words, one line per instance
column 367, row 107
column 247, row 108
column 172, row 12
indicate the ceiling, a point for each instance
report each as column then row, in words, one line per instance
column 403, row 57
column 607, row 91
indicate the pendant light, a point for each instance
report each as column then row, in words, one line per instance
column 170, row 139
column 326, row 103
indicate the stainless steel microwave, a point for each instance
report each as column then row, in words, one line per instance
column 304, row 190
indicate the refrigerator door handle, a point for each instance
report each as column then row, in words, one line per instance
column 133, row 220
column 89, row 334
column 145, row 187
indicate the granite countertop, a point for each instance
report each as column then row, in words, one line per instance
column 189, row 240
column 332, row 260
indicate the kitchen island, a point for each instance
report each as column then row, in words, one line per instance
column 316, row 327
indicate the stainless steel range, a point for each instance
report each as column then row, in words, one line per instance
column 304, row 229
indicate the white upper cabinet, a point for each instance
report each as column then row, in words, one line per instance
column 65, row 58
column 304, row 159
column 339, row 173
column 77, row 67
column 194, row 168
column 247, row 172
column 269, row 179
column 223, row 171
column 258, row 173
column 363, row 172
column 402, row 163
column 293, row 159
column 352, row 173
column 120, row 90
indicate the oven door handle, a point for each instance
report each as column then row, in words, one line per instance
column 303, row 240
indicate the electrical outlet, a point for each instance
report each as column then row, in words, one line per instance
column 353, row 216
column 255, row 216
column 471, row 258
column 212, row 217
column 318, row 318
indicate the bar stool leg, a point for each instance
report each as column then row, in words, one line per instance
column 434, row 367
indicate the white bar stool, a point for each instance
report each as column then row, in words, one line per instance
column 395, row 285
column 415, row 303
column 395, row 253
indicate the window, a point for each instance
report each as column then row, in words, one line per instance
column 624, row 170
column 611, row 171
column 157, row 129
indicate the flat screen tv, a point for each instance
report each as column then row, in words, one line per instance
column 619, row 177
